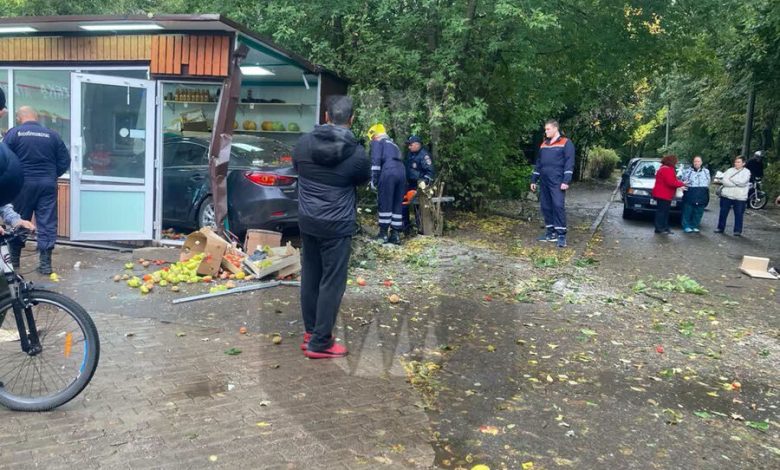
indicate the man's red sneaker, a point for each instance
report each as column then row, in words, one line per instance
column 334, row 351
column 306, row 339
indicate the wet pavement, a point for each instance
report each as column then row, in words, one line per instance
column 501, row 351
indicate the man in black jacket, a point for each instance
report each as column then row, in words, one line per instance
column 331, row 164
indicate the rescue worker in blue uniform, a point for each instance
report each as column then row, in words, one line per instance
column 552, row 175
column 44, row 158
column 419, row 168
column 388, row 176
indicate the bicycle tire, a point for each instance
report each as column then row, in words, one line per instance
column 758, row 203
column 91, row 354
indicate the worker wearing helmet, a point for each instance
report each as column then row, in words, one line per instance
column 388, row 176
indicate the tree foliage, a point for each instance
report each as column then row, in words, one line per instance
column 477, row 78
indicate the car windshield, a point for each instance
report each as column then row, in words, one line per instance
column 250, row 150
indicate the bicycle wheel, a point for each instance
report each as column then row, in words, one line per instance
column 67, row 360
column 758, row 201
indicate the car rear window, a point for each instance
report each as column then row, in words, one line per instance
column 258, row 151
column 646, row 169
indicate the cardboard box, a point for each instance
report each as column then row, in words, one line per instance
column 261, row 238
column 756, row 267
column 207, row 242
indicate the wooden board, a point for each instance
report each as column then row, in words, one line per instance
column 204, row 54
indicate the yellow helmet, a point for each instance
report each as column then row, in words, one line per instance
column 375, row 130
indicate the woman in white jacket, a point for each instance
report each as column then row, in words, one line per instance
column 736, row 184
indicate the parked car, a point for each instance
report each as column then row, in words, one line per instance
column 262, row 186
column 639, row 186
column 624, row 178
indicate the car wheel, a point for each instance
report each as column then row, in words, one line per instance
column 207, row 216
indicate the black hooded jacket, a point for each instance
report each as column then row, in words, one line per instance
column 11, row 175
column 330, row 164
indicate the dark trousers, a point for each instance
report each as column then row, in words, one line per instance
column 662, row 215
column 390, row 198
column 726, row 205
column 553, row 202
column 323, row 281
column 412, row 185
column 691, row 215
column 39, row 198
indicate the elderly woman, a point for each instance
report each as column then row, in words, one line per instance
column 736, row 184
column 696, row 196
column 666, row 184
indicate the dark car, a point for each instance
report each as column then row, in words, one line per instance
column 262, row 186
column 639, row 186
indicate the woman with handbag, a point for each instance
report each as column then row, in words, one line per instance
column 734, row 194
column 696, row 196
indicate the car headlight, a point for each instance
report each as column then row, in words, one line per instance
column 638, row 192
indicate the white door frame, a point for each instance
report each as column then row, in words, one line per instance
column 79, row 182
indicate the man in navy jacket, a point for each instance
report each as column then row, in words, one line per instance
column 44, row 158
column 331, row 164
column 553, row 173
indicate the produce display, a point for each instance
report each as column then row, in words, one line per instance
column 250, row 125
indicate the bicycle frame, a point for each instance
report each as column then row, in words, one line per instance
column 14, row 286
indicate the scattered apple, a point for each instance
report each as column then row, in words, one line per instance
column 360, row 281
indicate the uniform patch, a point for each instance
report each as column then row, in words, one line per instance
column 428, row 160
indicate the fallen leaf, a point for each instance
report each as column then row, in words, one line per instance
column 233, row 352
column 213, row 458
column 263, row 424
column 588, row 332
column 703, row 414
column 762, row 426
column 528, row 465
column 492, row 430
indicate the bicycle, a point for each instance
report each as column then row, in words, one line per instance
column 757, row 198
column 49, row 346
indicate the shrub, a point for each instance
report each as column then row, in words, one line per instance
column 772, row 180
column 601, row 163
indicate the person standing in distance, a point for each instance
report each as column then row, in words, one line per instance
column 330, row 164
column 44, row 158
column 552, row 175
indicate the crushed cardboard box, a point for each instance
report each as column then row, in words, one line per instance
column 756, row 267
column 210, row 244
column 283, row 261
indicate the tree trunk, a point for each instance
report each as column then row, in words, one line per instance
column 749, row 122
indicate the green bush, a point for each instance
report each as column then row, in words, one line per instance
column 772, row 180
column 601, row 163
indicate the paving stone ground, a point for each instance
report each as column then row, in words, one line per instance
column 165, row 397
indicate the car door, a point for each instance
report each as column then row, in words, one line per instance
column 183, row 179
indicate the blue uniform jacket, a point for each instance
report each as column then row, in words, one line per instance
column 41, row 151
column 555, row 162
column 385, row 158
column 419, row 166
